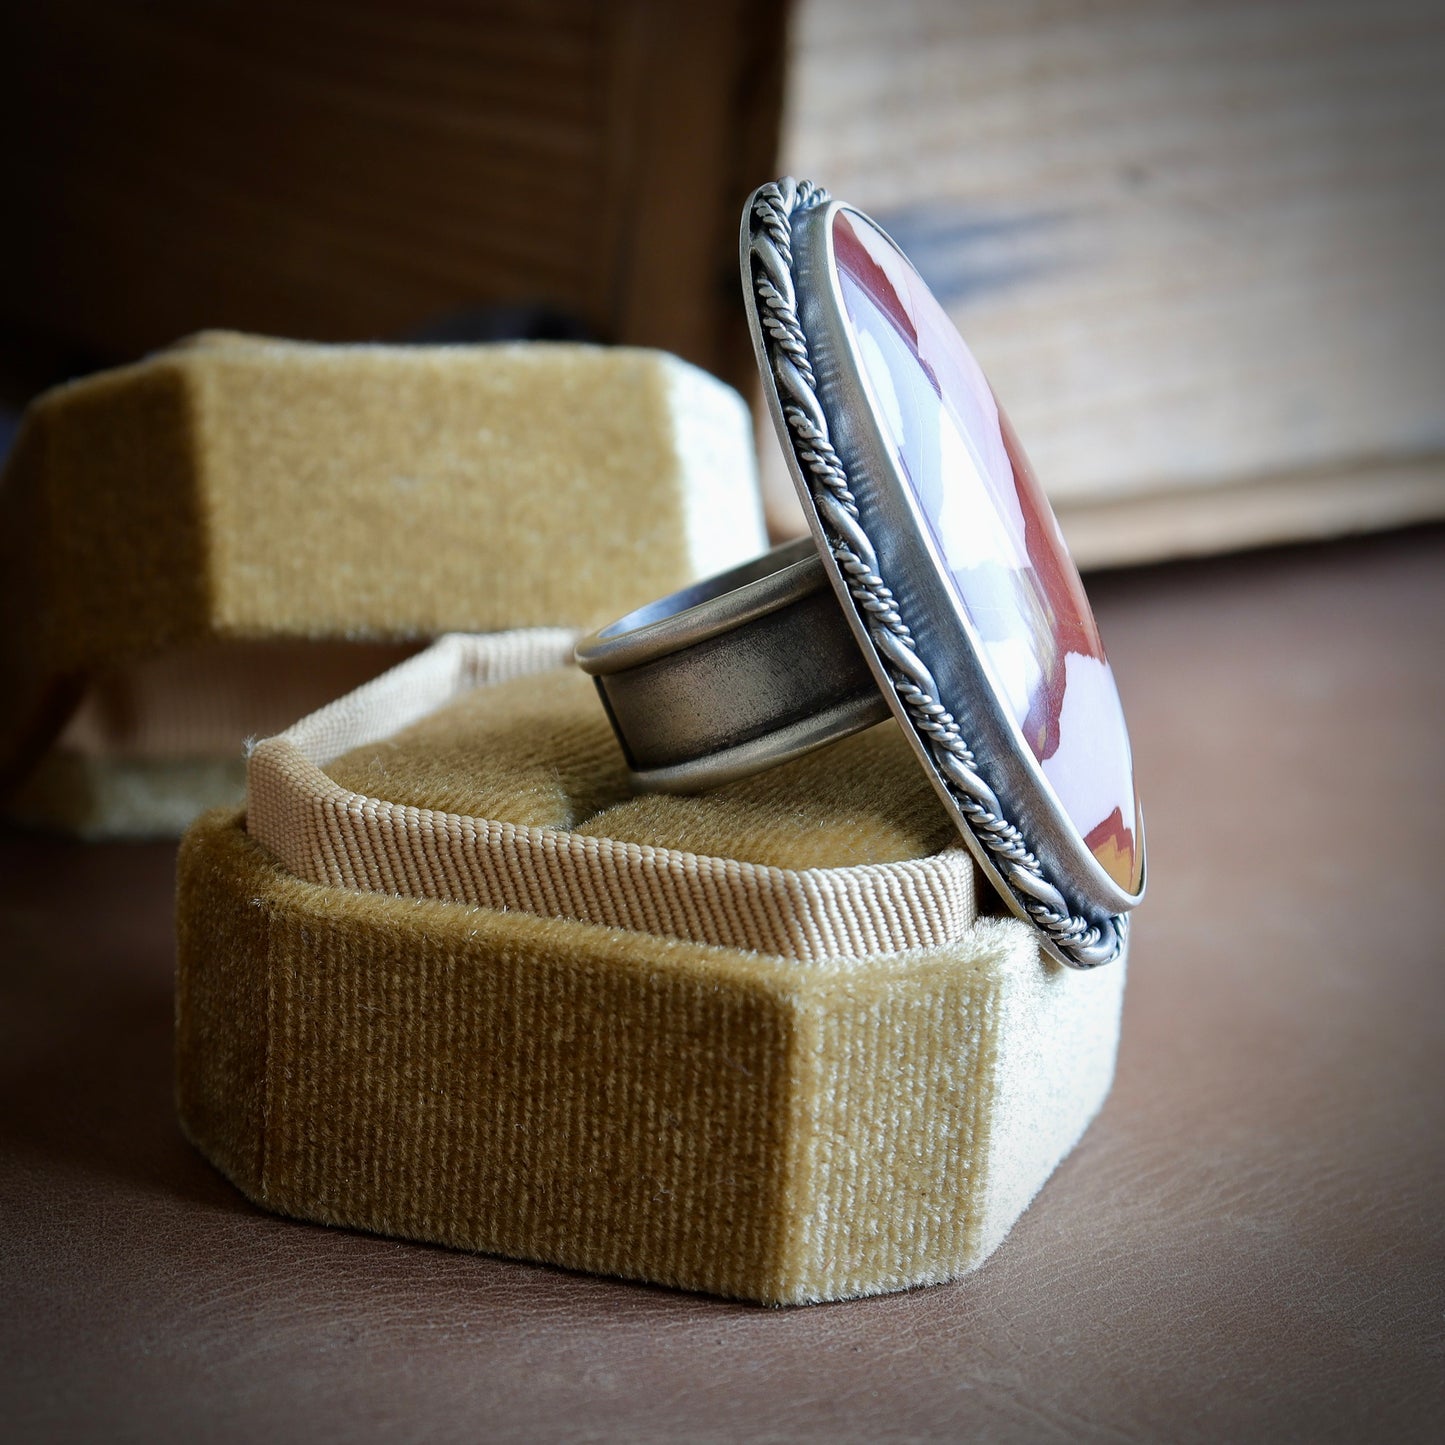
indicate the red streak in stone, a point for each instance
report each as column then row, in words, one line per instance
column 1112, row 838
column 1068, row 624
column 854, row 258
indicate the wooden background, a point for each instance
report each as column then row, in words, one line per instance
column 1197, row 244
column 1198, row 247
column 371, row 170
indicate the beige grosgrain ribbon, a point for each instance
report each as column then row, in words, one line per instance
column 328, row 835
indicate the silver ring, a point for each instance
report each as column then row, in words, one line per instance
column 935, row 588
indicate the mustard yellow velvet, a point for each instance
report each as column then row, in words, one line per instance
column 612, row 1100
column 539, row 751
column 234, row 491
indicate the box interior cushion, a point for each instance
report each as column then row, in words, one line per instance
column 538, row 751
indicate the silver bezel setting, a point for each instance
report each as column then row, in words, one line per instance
column 883, row 564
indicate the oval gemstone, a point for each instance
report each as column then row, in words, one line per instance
column 996, row 533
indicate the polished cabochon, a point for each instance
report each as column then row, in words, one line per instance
column 970, row 549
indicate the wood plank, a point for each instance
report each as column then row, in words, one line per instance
column 1193, row 245
column 1250, row 512
column 357, row 171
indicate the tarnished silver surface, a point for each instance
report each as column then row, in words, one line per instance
column 740, row 702
column 733, row 675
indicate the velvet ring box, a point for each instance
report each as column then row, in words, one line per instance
column 445, row 979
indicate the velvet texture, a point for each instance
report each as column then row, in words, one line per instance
column 764, row 1127
column 179, row 523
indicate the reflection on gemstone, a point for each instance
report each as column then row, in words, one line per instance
column 998, row 537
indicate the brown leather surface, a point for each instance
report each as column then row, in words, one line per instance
column 1249, row 1244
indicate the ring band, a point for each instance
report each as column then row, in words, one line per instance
column 732, row 675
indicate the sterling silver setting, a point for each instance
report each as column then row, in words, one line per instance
column 872, row 549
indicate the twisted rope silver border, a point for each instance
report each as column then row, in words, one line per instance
column 1072, row 937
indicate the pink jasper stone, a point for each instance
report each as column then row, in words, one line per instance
column 998, row 539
